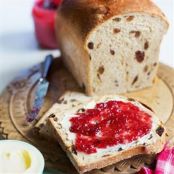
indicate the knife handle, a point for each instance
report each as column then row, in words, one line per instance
column 46, row 66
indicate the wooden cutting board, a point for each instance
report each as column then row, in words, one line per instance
column 15, row 103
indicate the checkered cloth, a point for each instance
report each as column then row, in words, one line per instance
column 165, row 163
column 145, row 170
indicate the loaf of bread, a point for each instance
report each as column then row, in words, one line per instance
column 88, row 139
column 111, row 46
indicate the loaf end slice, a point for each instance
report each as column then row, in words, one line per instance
column 151, row 143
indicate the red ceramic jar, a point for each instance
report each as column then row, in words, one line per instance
column 44, row 22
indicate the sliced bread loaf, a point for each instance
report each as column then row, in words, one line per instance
column 111, row 46
column 95, row 140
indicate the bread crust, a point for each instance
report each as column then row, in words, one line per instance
column 85, row 15
column 108, row 160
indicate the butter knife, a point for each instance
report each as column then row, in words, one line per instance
column 41, row 89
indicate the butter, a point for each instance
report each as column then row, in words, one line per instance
column 20, row 158
column 26, row 158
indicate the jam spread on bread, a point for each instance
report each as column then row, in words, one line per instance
column 109, row 124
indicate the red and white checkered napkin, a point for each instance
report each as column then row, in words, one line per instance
column 145, row 170
column 165, row 163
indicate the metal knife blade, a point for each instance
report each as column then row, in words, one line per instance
column 41, row 89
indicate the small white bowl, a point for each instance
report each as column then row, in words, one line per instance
column 15, row 154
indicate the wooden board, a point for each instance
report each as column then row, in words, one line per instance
column 15, row 104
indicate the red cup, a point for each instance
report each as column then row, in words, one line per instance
column 44, row 22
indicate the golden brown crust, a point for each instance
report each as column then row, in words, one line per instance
column 85, row 15
column 69, row 38
column 109, row 160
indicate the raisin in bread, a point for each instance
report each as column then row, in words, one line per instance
column 87, row 154
column 111, row 46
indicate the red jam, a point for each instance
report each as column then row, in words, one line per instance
column 109, row 124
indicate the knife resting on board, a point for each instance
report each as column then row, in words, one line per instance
column 41, row 89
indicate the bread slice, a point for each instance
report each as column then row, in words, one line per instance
column 43, row 128
column 151, row 143
column 111, row 46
